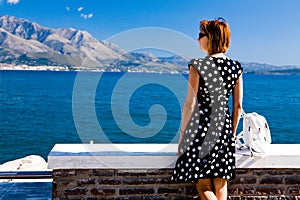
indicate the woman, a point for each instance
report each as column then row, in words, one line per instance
column 207, row 134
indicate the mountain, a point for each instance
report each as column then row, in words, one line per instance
column 263, row 68
column 27, row 43
column 146, row 62
column 176, row 60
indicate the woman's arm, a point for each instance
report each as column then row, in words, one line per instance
column 237, row 96
column 190, row 100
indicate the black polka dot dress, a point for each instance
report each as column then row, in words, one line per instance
column 208, row 146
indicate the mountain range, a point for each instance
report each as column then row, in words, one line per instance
column 27, row 43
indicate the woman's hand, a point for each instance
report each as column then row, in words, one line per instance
column 178, row 149
column 179, row 143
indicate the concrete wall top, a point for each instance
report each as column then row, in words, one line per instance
column 157, row 156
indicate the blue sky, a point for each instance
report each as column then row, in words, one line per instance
column 262, row 31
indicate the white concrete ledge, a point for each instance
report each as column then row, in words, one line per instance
column 156, row 156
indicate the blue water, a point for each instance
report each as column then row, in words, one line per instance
column 36, row 108
column 26, row 190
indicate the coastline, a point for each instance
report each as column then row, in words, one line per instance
column 4, row 66
column 12, row 67
column 8, row 67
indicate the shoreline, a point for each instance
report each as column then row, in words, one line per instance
column 33, row 68
column 9, row 67
column 66, row 69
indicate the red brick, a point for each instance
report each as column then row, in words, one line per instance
column 294, row 190
column 295, row 180
column 139, row 181
column 102, row 172
column 155, row 197
column 64, row 173
column 75, row 191
column 272, row 180
column 249, row 190
column 72, row 173
column 102, row 192
column 191, row 190
column 170, row 190
column 242, row 171
column 133, row 172
column 234, row 198
column 240, row 190
column 87, row 181
column 67, row 184
column 259, row 172
column 183, row 197
column 271, row 190
column 160, row 172
column 109, row 181
column 128, row 191
column 103, row 198
column 281, row 172
column 92, row 198
column 165, row 180
column 235, row 190
column 243, row 180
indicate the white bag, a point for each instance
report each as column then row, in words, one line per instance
column 255, row 135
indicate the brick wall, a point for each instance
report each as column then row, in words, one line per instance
column 266, row 184
column 136, row 184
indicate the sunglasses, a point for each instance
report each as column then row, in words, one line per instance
column 201, row 35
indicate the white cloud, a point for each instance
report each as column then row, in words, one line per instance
column 13, row 1
column 68, row 8
column 88, row 16
column 80, row 9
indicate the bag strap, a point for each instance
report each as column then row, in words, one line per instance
column 251, row 141
column 243, row 113
column 238, row 139
column 241, row 135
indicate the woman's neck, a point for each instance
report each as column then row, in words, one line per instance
column 218, row 55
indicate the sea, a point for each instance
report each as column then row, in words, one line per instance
column 39, row 109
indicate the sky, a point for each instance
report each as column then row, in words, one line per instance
column 262, row 31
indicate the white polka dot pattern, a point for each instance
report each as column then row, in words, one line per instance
column 208, row 145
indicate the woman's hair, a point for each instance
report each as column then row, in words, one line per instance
column 218, row 32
